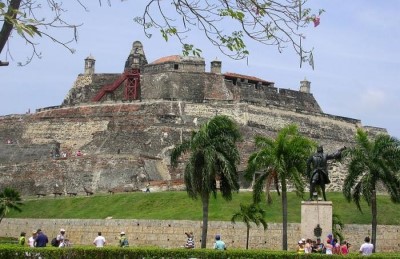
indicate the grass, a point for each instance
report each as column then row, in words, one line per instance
column 178, row 206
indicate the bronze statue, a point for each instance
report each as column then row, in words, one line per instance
column 317, row 169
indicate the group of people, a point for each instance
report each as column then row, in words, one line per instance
column 218, row 244
column 39, row 239
column 100, row 241
column 332, row 246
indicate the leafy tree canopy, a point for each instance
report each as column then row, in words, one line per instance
column 228, row 25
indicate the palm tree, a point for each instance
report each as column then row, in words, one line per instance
column 337, row 227
column 213, row 156
column 372, row 161
column 250, row 214
column 285, row 156
column 9, row 200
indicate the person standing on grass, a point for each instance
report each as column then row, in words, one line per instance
column 99, row 241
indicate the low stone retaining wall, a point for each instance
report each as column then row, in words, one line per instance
column 170, row 233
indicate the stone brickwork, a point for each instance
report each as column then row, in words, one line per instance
column 125, row 145
column 170, row 233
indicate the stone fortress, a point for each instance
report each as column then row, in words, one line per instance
column 125, row 125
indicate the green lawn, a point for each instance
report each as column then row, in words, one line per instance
column 178, row 206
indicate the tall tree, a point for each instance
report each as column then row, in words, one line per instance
column 250, row 214
column 285, row 156
column 213, row 156
column 9, row 200
column 372, row 161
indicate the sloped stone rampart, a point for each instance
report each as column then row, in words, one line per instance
column 130, row 143
column 170, row 233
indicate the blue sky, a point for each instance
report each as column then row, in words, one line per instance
column 356, row 53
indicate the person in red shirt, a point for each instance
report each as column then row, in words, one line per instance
column 344, row 248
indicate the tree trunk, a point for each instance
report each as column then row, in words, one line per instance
column 247, row 240
column 8, row 27
column 284, row 215
column 205, row 200
column 374, row 218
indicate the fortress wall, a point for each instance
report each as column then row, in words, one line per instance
column 86, row 87
column 96, row 173
column 170, row 233
column 123, row 142
column 271, row 96
column 183, row 86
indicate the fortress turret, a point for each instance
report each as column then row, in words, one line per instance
column 216, row 66
column 305, row 86
column 137, row 58
column 89, row 65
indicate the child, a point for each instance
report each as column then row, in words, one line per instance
column 21, row 240
column 190, row 241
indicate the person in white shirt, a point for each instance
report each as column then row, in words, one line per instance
column 99, row 241
column 31, row 240
column 61, row 238
column 367, row 247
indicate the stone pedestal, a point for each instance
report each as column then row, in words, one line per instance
column 313, row 213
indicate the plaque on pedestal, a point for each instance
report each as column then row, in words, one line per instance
column 316, row 218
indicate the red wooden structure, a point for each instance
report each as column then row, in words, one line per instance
column 131, row 78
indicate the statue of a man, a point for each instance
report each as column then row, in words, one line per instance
column 317, row 169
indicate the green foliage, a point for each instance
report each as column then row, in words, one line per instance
column 337, row 227
column 168, row 32
column 284, row 159
column 23, row 25
column 16, row 252
column 213, row 157
column 189, row 49
column 238, row 15
column 229, row 25
column 250, row 214
column 235, row 42
column 372, row 161
column 9, row 200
